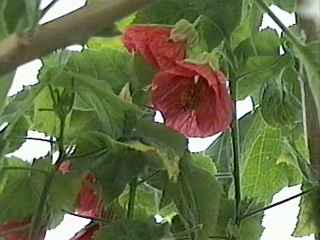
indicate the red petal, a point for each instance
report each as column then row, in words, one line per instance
column 15, row 230
column 87, row 233
column 65, row 167
column 89, row 202
column 213, row 114
column 154, row 44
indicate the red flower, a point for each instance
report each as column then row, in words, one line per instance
column 17, row 230
column 87, row 233
column 65, row 167
column 89, row 202
column 193, row 99
column 155, row 45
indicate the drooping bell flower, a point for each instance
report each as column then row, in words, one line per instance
column 155, row 45
column 86, row 233
column 89, row 201
column 17, row 230
column 193, row 99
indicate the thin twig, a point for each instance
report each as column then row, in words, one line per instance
column 132, row 198
column 264, row 7
column 253, row 213
column 40, row 139
column 48, row 7
column 85, row 217
column 218, row 237
column 149, row 177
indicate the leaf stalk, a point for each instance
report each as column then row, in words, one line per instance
column 255, row 212
column 132, row 198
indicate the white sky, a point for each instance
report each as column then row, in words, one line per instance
column 279, row 222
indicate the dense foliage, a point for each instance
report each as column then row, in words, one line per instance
column 111, row 163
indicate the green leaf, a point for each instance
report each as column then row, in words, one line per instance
column 255, row 44
column 133, row 230
column 204, row 162
column 105, row 64
column 116, row 165
column 146, row 202
column 45, row 118
column 22, row 185
column 250, row 228
column 14, row 114
column 171, row 144
column 62, row 196
column 262, row 177
column 141, row 80
column 97, row 77
column 308, row 218
column 264, row 166
column 5, row 84
column 221, row 153
column 197, row 197
column 20, row 189
column 16, row 137
column 267, row 42
column 171, row 11
column 257, row 71
column 210, row 34
column 287, row 5
column 279, row 106
column 18, row 16
column 248, row 28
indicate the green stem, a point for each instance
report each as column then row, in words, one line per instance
column 61, row 143
column 253, row 213
column 264, row 7
column 132, row 198
column 38, row 216
column 236, row 163
column 149, row 177
column 235, row 135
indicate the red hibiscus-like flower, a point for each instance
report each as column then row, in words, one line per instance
column 87, row 233
column 17, row 230
column 193, row 99
column 89, row 202
column 155, row 45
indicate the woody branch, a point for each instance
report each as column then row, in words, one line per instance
column 74, row 28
